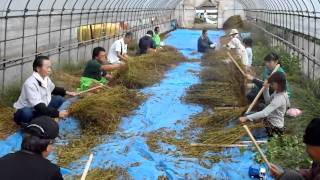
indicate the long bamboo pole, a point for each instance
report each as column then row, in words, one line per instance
column 87, row 167
column 219, row 145
column 257, row 146
column 238, row 66
column 91, row 89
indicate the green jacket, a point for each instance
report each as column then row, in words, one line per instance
column 86, row 83
column 157, row 40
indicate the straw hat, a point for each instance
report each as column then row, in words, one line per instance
column 233, row 32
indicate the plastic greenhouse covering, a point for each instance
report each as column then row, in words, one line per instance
column 68, row 30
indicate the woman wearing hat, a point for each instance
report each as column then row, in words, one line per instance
column 236, row 44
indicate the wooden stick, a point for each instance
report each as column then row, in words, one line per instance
column 91, row 89
column 248, row 142
column 86, row 169
column 260, row 92
column 257, row 146
column 226, row 108
column 238, row 66
column 219, row 145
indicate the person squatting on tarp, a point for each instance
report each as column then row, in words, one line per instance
column 96, row 69
column 39, row 96
column 271, row 61
column 119, row 49
column 312, row 141
column 146, row 43
column 204, row 42
column 277, row 105
column 30, row 162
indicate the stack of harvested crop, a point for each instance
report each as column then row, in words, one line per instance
column 7, row 125
column 106, row 108
column 234, row 22
column 146, row 70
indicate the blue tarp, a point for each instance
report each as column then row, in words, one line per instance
column 163, row 110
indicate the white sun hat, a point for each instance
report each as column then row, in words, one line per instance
column 233, row 31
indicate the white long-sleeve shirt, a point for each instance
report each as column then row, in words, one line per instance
column 278, row 103
column 34, row 92
column 250, row 55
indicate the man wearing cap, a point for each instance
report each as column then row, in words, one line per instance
column 312, row 141
column 146, row 44
column 30, row 162
column 39, row 96
column 204, row 43
column 236, row 44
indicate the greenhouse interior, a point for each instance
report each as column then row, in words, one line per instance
column 159, row 89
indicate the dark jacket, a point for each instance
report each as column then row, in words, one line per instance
column 145, row 43
column 25, row 165
column 204, row 44
column 313, row 173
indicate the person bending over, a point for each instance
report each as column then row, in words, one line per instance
column 96, row 69
column 204, row 43
column 146, row 44
column 39, row 96
column 118, row 50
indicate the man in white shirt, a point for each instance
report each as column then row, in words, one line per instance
column 118, row 50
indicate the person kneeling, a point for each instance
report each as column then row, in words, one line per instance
column 30, row 162
column 277, row 106
column 95, row 71
column 39, row 96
